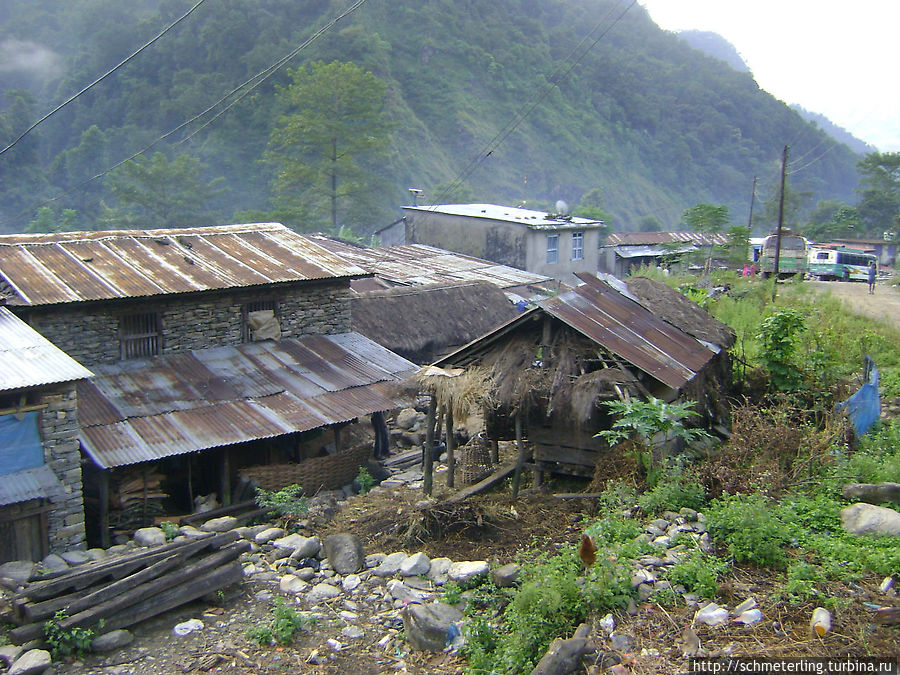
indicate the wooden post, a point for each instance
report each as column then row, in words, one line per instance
column 337, row 439
column 520, row 462
column 775, row 271
column 451, row 447
column 428, row 458
column 495, row 452
column 104, row 508
column 225, row 477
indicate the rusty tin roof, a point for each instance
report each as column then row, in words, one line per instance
column 146, row 409
column 656, row 238
column 28, row 484
column 42, row 269
column 27, row 359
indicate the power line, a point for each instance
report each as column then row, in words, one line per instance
column 104, row 76
column 557, row 76
column 263, row 74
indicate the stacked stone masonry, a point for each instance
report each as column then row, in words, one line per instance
column 89, row 333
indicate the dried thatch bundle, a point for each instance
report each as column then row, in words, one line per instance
column 589, row 389
column 455, row 389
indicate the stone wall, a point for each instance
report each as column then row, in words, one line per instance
column 59, row 434
column 89, row 332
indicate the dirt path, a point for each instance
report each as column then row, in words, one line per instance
column 883, row 305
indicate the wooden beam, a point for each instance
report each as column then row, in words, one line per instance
column 428, row 456
column 451, row 447
column 482, row 485
column 520, row 462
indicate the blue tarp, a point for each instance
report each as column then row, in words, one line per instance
column 864, row 407
column 20, row 443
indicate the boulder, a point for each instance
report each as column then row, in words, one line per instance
column 873, row 493
column 414, row 565
column 54, row 563
column 75, row 557
column 307, row 547
column 427, row 627
column 564, row 656
column 9, row 653
column 863, row 519
column 345, row 553
column 390, row 565
column 506, row 576
column 407, row 418
column 149, row 536
column 438, row 570
column 291, row 583
column 268, row 535
column 114, row 639
column 322, row 592
column 32, row 662
column 18, row 571
column 402, row 592
column 223, row 524
column 467, row 571
column 290, row 542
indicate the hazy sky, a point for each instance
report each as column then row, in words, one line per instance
column 839, row 59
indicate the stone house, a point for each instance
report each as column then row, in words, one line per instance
column 175, row 325
column 41, row 507
column 555, row 245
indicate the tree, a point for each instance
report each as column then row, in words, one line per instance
column 157, row 193
column 879, row 204
column 46, row 221
column 737, row 250
column 705, row 218
column 591, row 206
column 329, row 144
column 831, row 219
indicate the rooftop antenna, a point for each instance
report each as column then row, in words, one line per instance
column 415, row 192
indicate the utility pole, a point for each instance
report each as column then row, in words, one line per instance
column 784, row 156
column 752, row 202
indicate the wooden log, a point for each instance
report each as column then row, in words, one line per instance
column 578, row 495
column 81, row 577
column 428, row 457
column 244, row 510
column 481, row 485
column 451, row 448
column 186, row 580
column 76, row 602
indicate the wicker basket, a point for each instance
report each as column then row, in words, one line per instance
column 475, row 461
column 317, row 473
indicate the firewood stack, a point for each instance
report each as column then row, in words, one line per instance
column 136, row 499
column 128, row 589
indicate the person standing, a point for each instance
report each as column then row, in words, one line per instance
column 873, row 273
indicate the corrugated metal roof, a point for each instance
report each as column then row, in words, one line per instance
column 421, row 265
column 656, row 238
column 142, row 410
column 22, row 486
column 538, row 220
column 27, row 359
column 641, row 251
column 42, row 269
column 630, row 331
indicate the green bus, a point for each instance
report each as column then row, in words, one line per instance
column 828, row 263
column 792, row 259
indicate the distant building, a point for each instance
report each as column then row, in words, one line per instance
column 41, row 506
column 623, row 252
column 554, row 245
column 213, row 349
column 885, row 249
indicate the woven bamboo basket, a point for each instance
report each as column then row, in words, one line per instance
column 475, row 461
column 316, row 473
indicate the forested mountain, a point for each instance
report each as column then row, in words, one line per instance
column 715, row 45
column 506, row 101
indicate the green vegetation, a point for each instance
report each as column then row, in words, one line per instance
column 365, row 480
column 169, row 528
column 288, row 502
column 285, row 624
column 63, row 642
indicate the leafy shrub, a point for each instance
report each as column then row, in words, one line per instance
column 778, row 341
column 699, row 573
column 889, row 381
column 285, row 623
column 288, row 502
column 673, row 492
column 800, row 584
column 365, row 480
column 747, row 525
column 169, row 528
column 63, row 642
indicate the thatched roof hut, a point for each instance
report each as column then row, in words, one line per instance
column 424, row 323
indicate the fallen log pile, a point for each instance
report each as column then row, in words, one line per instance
column 128, row 589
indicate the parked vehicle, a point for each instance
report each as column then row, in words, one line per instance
column 829, row 262
column 792, row 259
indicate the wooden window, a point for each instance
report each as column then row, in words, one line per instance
column 578, row 246
column 255, row 306
column 552, row 249
column 140, row 335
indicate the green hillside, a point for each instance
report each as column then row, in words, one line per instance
column 565, row 96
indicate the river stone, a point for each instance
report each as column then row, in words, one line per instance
column 463, row 572
column 863, row 519
column 322, row 592
column 427, row 626
column 402, row 592
column 76, row 557
column 438, row 571
column 9, row 653
column 223, row 524
column 345, row 553
column 351, row 582
column 19, row 571
column 290, row 542
column 506, row 576
column 32, row 662
column 291, row 583
column 149, row 536
column 114, row 639
column 390, row 565
column 268, row 535
column 353, row 632
column 308, row 547
column 414, row 565
column 407, row 418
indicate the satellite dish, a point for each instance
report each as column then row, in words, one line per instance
column 562, row 208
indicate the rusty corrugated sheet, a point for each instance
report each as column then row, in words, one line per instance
column 142, row 410
column 67, row 267
column 655, row 238
column 630, row 331
column 27, row 359
column 418, row 264
column 22, row 486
